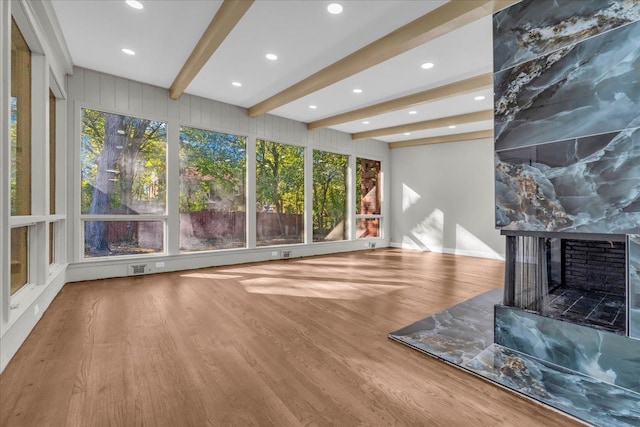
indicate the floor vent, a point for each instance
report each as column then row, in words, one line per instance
column 135, row 269
column 286, row 254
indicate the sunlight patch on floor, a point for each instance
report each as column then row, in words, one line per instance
column 328, row 289
column 210, row 276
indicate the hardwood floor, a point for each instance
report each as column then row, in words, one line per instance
column 281, row 343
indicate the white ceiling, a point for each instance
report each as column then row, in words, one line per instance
column 306, row 39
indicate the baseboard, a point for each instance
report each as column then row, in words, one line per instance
column 441, row 250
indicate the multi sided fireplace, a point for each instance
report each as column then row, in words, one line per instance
column 571, row 277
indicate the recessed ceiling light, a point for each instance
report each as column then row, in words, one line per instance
column 407, row 133
column 452, row 127
column 271, row 56
column 313, row 107
column 413, row 112
column 128, row 51
column 427, row 65
column 366, row 122
column 335, row 8
column 135, row 4
column 236, row 84
column 479, row 98
column 357, row 91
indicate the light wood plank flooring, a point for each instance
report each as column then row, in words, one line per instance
column 282, row 343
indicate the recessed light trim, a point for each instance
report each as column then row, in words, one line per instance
column 479, row 97
column 135, row 4
column 356, row 90
column 335, row 8
column 452, row 127
column 427, row 66
column 313, row 107
column 366, row 122
column 271, row 56
column 407, row 133
column 413, row 112
column 128, row 51
column 236, row 84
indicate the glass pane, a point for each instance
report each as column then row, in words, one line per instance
column 19, row 258
column 52, row 153
column 110, row 238
column 367, row 227
column 123, row 164
column 51, row 243
column 279, row 193
column 212, row 190
column 20, row 123
column 329, row 196
column 367, row 188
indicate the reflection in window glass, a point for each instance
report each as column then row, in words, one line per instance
column 367, row 198
column 20, row 128
column 212, row 190
column 125, row 237
column 19, row 258
column 279, row 193
column 329, row 196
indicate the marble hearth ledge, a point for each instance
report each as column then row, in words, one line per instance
column 463, row 336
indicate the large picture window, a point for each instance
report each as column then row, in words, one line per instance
column 368, row 198
column 20, row 123
column 212, row 190
column 329, row 196
column 279, row 193
column 123, row 173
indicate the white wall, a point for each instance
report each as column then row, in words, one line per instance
column 91, row 89
column 442, row 199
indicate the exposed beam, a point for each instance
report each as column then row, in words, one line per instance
column 446, row 18
column 461, row 87
column 228, row 15
column 467, row 136
column 477, row 116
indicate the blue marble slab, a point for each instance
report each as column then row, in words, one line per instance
column 589, row 185
column 533, row 28
column 587, row 398
column 452, row 335
column 456, row 334
column 603, row 355
column 634, row 286
column 583, row 89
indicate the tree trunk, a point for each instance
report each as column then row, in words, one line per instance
column 96, row 231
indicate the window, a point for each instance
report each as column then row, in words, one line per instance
column 20, row 136
column 279, row 193
column 125, row 237
column 212, row 190
column 123, row 162
column 52, row 173
column 19, row 258
column 368, row 198
column 20, row 123
column 329, row 196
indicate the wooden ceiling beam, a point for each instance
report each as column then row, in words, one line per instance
column 225, row 19
column 446, row 18
column 461, row 87
column 467, row 136
column 477, row 116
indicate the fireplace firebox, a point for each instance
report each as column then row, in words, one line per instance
column 569, row 277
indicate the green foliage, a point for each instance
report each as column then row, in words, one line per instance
column 329, row 192
column 279, row 177
column 212, row 170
